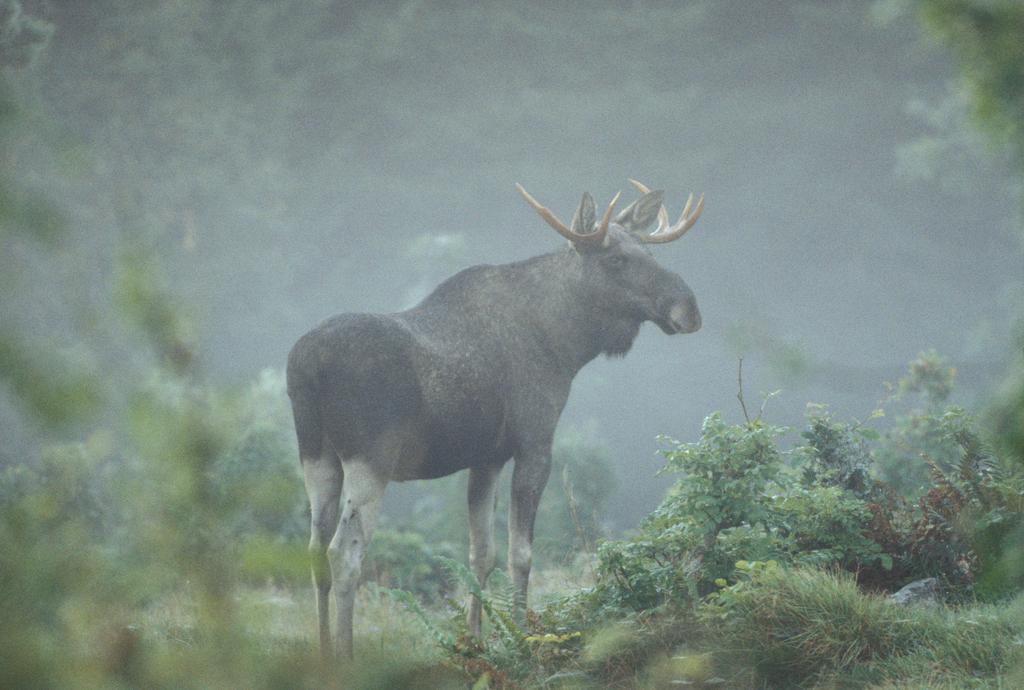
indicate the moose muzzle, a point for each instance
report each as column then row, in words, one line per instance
column 677, row 312
column 684, row 317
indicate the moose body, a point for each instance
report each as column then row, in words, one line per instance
column 476, row 374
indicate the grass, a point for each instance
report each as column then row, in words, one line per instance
column 783, row 629
column 276, row 646
column 276, row 619
column 807, row 628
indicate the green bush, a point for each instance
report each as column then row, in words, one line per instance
column 916, row 439
column 407, row 561
column 738, row 500
column 972, row 518
column 257, row 477
column 571, row 515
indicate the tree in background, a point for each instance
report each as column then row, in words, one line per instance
column 44, row 384
column 987, row 37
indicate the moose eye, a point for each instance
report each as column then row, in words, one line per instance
column 615, row 261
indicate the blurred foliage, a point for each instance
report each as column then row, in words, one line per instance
column 54, row 387
column 917, row 404
column 987, row 37
column 166, row 485
column 570, row 518
column 410, row 562
column 22, row 36
column 142, row 299
column 22, row 209
column 787, row 361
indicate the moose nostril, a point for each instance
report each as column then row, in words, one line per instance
column 685, row 317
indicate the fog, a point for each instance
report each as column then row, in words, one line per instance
column 293, row 160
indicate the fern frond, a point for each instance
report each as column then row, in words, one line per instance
column 462, row 574
column 502, row 592
column 408, row 600
column 502, row 615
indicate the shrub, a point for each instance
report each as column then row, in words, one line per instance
column 916, row 438
column 570, row 518
column 726, row 475
column 972, row 517
column 257, row 477
column 405, row 560
column 737, row 500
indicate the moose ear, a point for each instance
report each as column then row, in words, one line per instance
column 641, row 213
column 585, row 217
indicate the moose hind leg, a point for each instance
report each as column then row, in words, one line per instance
column 482, row 484
column 360, row 504
column 323, row 479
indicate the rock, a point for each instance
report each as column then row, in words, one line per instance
column 919, row 592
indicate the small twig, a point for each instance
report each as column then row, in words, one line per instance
column 739, row 393
column 574, row 512
column 764, row 402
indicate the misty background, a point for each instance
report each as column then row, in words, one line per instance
column 290, row 160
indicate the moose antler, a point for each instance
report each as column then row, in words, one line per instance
column 665, row 232
column 596, row 237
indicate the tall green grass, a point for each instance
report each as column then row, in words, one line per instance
column 808, row 628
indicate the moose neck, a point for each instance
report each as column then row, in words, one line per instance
column 574, row 324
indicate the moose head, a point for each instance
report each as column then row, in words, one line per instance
column 620, row 275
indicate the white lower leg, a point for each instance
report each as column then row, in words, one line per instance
column 360, row 505
column 323, row 486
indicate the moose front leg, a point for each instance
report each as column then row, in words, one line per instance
column 482, row 484
column 529, row 477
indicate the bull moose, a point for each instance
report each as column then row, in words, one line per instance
column 473, row 376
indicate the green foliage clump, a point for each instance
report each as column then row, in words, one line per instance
column 408, row 561
column 916, row 440
column 738, row 500
column 725, row 477
column 774, row 558
column 987, row 36
column 742, row 498
column 836, row 454
column 22, row 36
column 257, row 477
column 536, row 652
column 972, row 519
